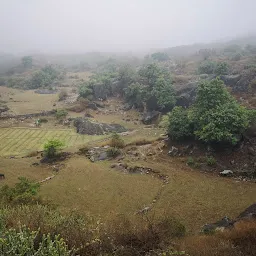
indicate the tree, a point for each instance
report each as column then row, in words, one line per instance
column 27, row 61
column 164, row 93
column 52, row 147
column 160, row 56
column 217, row 117
column 135, row 95
column 221, row 68
column 179, row 126
column 206, row 67
column 85, row 90
column 126, row 76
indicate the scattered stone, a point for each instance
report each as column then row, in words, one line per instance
column 2, row 177
column 226, row 173
column 173, row 151
column 35, row 164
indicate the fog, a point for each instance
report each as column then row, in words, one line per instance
column 119, row 25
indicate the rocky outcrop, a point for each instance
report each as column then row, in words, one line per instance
column 186, row 94
column 150, row 117
column 86, row 126
column 248, row 214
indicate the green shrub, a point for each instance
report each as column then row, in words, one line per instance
column 85, row 90
column 116, row 141
column 63, row 94
column 180, row 126
column 207, row 67
column 61, row 114
column 211, row 161
column 52, row 147
column 191, row 161
column 113, row 152
column 24, row 242
column 221, row 68
column 24, row 192
column 164, row 122
column 217, row 117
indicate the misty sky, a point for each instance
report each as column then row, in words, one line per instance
column 119, row 25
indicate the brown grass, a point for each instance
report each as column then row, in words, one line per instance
column 235, row 242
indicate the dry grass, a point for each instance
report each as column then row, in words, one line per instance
column 235, row 242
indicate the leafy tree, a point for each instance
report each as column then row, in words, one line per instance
column 180, row 126
column 206, row 67
column 135, row 95
column 126, row 76
column 85, row 90
column 160, row 56
column 27, row 61
column 217, row 116
column 52, row 147
column 221, row 68
column 164, row 93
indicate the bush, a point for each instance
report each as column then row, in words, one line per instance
column 221, row 68
column 180, row 126
column 85, row 90
column 63, row 94
column 207, row 67
column 52, row 147
column 25, row 242
column 211, row 161
column 113, row 152
column 24, row 192
column 217, row 116
column 191, row 161
column 116, row 141
column 61, row 114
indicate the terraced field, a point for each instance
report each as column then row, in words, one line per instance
column 19, row 141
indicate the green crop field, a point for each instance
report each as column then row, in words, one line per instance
column 19, row 141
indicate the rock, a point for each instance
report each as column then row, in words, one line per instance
column 2, row 177
column 186, row 94
column 113, row 166
column 150, row 117
column 86, row 126
column 173, row 151
column 92, row 159
column 226, row 173
column 102, row 156
column 219, row 225
column 230, row 80
column 92, row 105
column 232, row 162
column 251, row 151
column 249, row 212
column 35, row 164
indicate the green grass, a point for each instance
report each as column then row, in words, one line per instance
column 20, row 141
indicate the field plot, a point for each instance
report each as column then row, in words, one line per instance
column 18, row 141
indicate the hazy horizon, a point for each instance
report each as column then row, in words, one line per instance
column 64, row 26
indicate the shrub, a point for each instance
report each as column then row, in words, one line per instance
column 24, row 192
column 52, row 147
column 221, row 68
column 61, row 114
column 113, row 152
column 116, row 141
column 85, row 91
column 63, row 94
column 216, row 115
column 191, row 161
column 84, row 150
column 207, row 67
column 24, row 242
column 211, row 161
column 180, row 126
column 164, row 122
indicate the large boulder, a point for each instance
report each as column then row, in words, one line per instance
column 248, row 213
column 86, row 126
column 186, row 94
column 151, row 117
column 230, row 80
